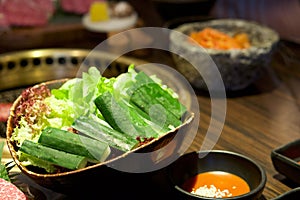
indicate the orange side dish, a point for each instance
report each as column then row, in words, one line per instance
column 217, row 184
column 215, row 39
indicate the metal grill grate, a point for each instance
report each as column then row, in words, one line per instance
column 22, row 69
column 19, row 69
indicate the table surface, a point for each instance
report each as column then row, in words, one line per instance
column 259, row 118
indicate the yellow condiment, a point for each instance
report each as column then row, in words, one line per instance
column 99, row 11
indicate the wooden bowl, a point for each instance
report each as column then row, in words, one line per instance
column 102, row 173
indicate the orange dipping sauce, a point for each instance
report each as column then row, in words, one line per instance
column 217, row 184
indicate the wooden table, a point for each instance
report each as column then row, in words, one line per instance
column 261, row 117
column 258, row 119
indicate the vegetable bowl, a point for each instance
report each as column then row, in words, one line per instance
column 64, row 133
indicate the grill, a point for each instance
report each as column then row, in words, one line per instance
column 19, row 70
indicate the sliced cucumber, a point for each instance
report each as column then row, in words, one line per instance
column 93, row 127
column 115, row 115
column 94, row 150
column 154, row 91
column 59, row 158
column 151, row 104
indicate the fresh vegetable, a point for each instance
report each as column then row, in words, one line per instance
column 98, row 129
column 3, row 170
column 29, row 160
column 121, row 112
column 157, row 102
column 114, row 114
column 31, row 115
column 94, row 150
column 122, row 117
column 154, row 108
column 8, row 190
column 56, row 157
column 158, row 94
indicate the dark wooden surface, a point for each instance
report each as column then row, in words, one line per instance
column 261, row 117
column 258, row 119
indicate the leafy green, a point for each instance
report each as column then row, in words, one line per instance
column 3, row 170
column 76, row 98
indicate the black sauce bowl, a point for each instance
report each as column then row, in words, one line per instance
column 285, row 160
column 293, row 194
column 193, row 163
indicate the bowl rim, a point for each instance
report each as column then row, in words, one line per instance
column 254, row 191
column 278, row 153
column 284, row 164
column 285, row 146
column 9, row 131
column 288, row 193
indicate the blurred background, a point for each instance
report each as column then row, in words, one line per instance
column 58, row 23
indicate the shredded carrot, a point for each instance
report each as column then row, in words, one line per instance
column 214, row 39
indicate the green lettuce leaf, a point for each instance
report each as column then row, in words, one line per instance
column 3, row 170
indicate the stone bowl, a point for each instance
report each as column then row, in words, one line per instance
column 238, row 68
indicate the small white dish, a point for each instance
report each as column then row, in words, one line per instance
column 113, row 24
